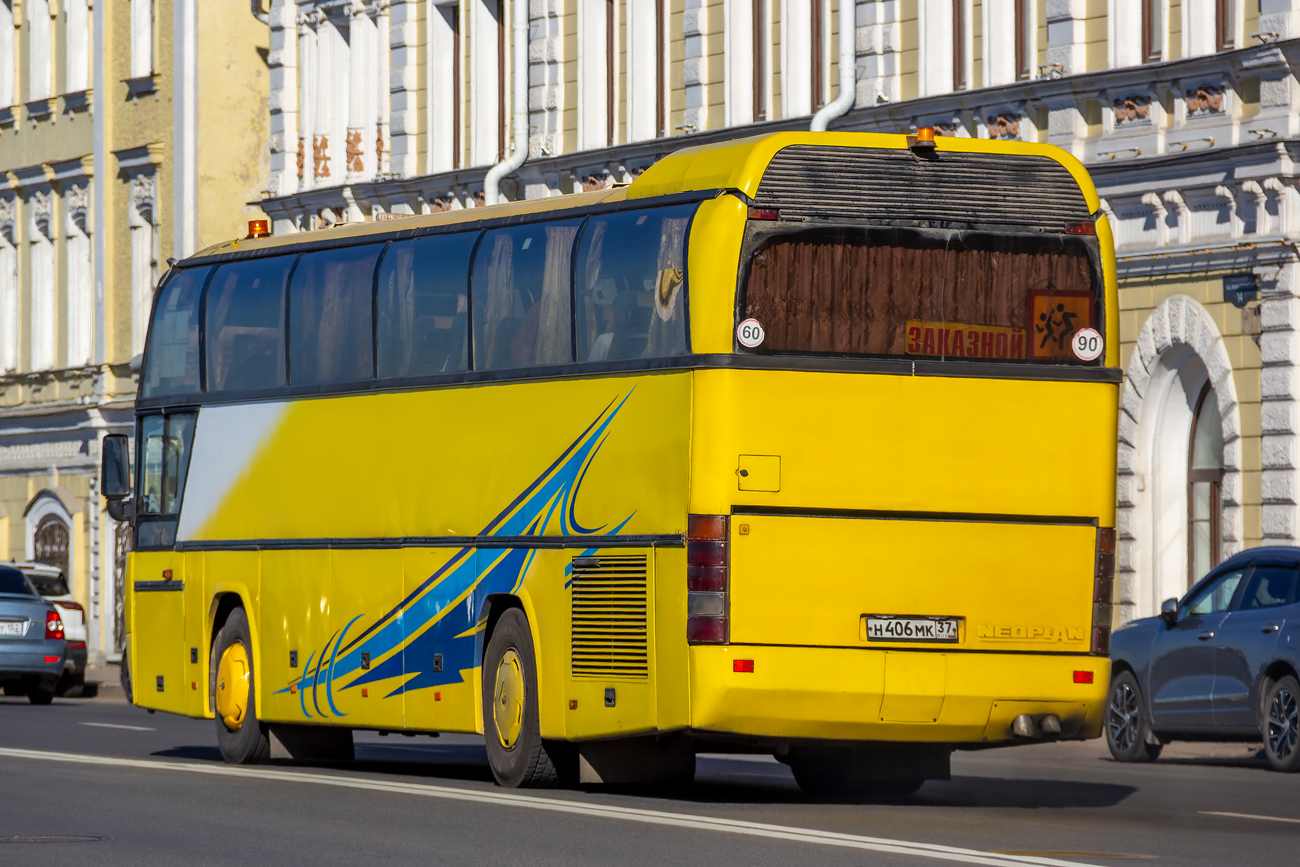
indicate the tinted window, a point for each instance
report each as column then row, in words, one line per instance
column 330, row 302
column 245, row 324
column 423, row 305
column 164, row 460
column 1269, row 587
column 173, row 365
column 859, row 291
column 521, row 296
column 631, row 270
column 13, row 581
column 1214, row 597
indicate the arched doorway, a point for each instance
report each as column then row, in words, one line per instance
column 1179, row 510
column 50, row 543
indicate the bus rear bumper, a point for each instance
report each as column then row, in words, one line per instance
column 855, row 694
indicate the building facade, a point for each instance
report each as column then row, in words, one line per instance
column 110, row 164
column 1183, row 110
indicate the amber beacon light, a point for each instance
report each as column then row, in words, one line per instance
column 259, row 229
column 924, row 138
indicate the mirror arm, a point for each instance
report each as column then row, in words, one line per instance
column 122, row 509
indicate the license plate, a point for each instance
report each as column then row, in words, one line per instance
column 11, row 629
column 885, row 628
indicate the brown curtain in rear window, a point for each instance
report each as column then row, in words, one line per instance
column 844, row 292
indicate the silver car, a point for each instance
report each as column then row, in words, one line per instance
column 33, row 646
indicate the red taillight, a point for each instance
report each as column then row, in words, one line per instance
column 53, row 625
column 1081, row 228
column 764, row 214
column 51, row 659
column 1083, row 677
column 76, row 644
column 707, row 606
column 1103, row 591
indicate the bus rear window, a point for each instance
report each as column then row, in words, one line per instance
column 893, row 292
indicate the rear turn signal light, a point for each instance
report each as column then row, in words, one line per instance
column 53, row 625
column 707, row 605
column 1083, row 227
column 259, row 229
column 1103, row 591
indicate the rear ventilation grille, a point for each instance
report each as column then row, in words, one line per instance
column 952, row 188
column 609, row 617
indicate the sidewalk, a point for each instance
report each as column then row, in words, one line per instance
column 104, row 681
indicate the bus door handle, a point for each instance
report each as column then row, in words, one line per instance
column 1269, row 627
column 1205, row 636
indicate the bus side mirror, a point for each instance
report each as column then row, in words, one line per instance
column 115, row 476
column 1169, row 611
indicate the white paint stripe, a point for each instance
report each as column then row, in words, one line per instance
column 556, row 805
column 116, row 726
column 1251, row 816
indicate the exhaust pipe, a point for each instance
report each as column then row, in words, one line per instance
column 1048, row 727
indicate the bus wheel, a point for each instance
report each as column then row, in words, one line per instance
column 242, row 738
column 518, row 755
column 1127, row 732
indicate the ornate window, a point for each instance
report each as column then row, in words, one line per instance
column 50, row 542
column 1204, row 478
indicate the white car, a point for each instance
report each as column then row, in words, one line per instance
column 51, row 583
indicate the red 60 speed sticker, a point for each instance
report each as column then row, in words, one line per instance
column 1087, row 344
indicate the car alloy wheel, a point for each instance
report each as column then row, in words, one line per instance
column 1123, row 717
column 1283, row 722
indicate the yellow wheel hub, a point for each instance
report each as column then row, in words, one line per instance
column 233, row 686
column 508, row 699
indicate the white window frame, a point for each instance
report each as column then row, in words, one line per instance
column 444, row 89
column 8, row 76
column 9, row 298
column 40, row 77
column 80, row 310
column 78, row 46
column 142, row 38
column 44, row 286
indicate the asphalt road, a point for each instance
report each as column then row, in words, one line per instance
column 151, row 789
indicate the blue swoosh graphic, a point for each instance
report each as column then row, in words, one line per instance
column 442, row 614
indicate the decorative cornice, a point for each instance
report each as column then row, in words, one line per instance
column 141, row 158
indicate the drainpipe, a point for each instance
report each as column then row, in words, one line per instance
column 848, row 69
column 492, row 183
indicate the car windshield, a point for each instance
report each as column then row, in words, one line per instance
column 13, row 581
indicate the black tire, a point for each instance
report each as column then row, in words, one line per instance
column 41, row 692
column 1128, row 734
column 527, row 761
column 248, row 744
column 1280, row 725
column 833, row 777
column 125, row 678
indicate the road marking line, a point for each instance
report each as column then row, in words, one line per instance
column 116, row 726
column 1251, row 816
column 556, row 805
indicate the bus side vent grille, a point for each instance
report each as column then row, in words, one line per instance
column 953, row 188
column 609, row 617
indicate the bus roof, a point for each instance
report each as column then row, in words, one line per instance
column 737, row 164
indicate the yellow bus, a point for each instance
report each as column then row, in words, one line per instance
column 800, row 444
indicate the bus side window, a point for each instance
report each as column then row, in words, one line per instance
column 245, row 324
column 329, row 316
column 631, row 274
column 173, row 363
column 423, row 306
column 521, row 296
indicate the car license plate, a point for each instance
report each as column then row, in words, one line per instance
column 12, row 629
column 887, row 628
